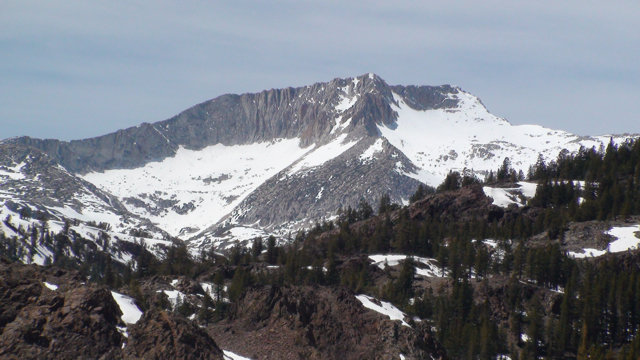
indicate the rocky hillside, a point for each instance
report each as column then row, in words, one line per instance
column 50, row 313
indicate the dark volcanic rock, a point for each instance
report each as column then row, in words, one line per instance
column 164, row 335
column 318, row 323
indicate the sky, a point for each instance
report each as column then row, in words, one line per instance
column 77, row 69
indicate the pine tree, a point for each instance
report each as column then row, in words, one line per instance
column 272, row 254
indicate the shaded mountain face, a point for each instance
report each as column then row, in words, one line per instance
column 248, row 165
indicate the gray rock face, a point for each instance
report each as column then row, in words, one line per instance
column 319, row 192
column 306, row 113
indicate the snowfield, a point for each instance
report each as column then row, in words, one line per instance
column 470, row 137
column 208, row 183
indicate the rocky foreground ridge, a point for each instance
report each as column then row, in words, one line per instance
column 51, row 313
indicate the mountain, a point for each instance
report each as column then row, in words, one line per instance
column 241, row 166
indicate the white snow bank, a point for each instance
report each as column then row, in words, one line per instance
column 173, row 296
column 501, row 196
column 528, row 189
column 587, row 252
column 123, row 330
column 228, row 355
column 14, row 172
column 130, row 312
column 385, row 308
column 50, row 286
column 627, row 239
column 322, row 154
column 372, row 150
column 431, row 270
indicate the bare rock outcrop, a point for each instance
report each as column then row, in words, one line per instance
column 318, row 323
column 164, row 335
column 74, row 321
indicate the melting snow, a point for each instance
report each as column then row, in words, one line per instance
column 626, row 240
column 322, row 154
column 384, row 308
column 431, row 270
column 209, row 183
column 372, row 150
column 50, row 286
column 130, row 312
column 14, row 172
column 504, row 197
column 173, row 296
column 228, row 355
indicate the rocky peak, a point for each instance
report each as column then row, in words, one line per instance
column 309, row 113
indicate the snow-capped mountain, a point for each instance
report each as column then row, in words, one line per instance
column 241, row 166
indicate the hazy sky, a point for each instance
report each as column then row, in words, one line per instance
column 76, row 69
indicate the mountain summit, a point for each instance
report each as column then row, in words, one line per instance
column 240, row 166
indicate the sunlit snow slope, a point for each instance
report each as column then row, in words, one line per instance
column 193, row 189
column 440, row 140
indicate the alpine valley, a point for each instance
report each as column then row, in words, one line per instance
column 244, row 223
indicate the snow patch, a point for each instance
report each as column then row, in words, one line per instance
column 322, row 154
column 429, row 266
column 627, row 239
column 346, row 103
column 384, row 308
column 372, row 150
column 174, row 296
column 13, row 172
column 228, row 355
column 130, row 312
column 50, row 286
column 587, row 252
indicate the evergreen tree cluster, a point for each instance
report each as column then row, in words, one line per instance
column 611, row 181
column 567, row 308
